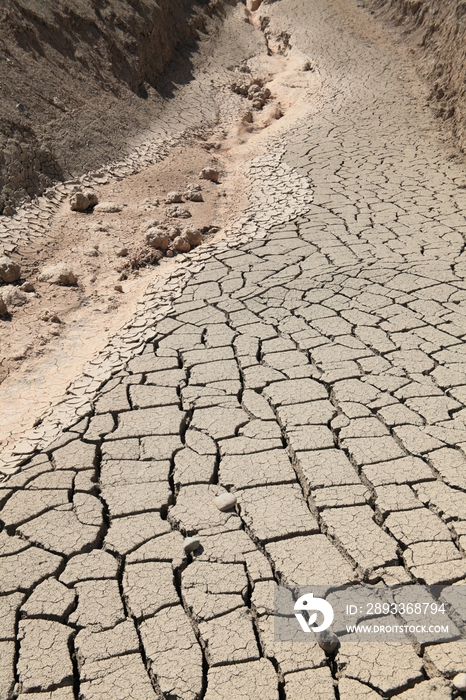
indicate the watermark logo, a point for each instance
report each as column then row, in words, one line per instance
column 308, row 603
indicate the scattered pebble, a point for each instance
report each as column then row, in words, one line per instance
column 193, row 193
column 13, row 296
column 50, row 316
column 178, row 212
column 328, row 641
column 181, row 244
column 190, row 544
column 3, row 308
column 58, row 274
column 108, row 207
column 459, row 681
column 209, row 174
column 10, row 271
column 193, row 235
column 118, row 288
column 173, row 198
column 225, row 501
column 122, row 252
column 27, row 287
column 83, row 200
column 157, row 238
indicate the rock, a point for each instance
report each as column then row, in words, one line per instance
column 276, row 112
column 190, row 544
column 3, row 308
column 118, row 288
column 193, row 193
column 209, row 174
column 178, row 212
column 27, row 287
column 92, row 252
column 50, row 316
column 225, row 501
column 181, row 244
column 82, row 200
column 13, row 296
column 459, row 681
column 59, row 104
column 58, row 274
column 307, row 65
column 122, row 252
column 144, row 256
column 173, row 198
column 108, row 208
column 193, row 235
column 157, row 238
column 173, row 232
column 328, row 641
column 10, row 271
column 152, row 223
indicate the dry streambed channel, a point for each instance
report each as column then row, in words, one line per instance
column 283, row 403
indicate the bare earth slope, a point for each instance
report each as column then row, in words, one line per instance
column 436, row 30
column 78, row 80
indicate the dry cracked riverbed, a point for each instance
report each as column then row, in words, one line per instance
column 312, row 363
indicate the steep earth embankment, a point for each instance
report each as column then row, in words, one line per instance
column 437, row 30
column 78, row 79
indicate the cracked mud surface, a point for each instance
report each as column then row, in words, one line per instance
column 314, row 367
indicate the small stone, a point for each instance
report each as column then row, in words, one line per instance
column 58, row 274
column 151, row 223
column 50, row 316
column 118, row 288
column 178, row 212
column 225, row 501
column 173, row 198
column 27, row 287
column 209, row 174
column 193, row 193
column 459, row 681
column 122, row 252
column 190, row 544
column 181, row 244
column 328, row 641
column 83, row 200
column 10, row 271
column 157, row 238
column 13, row 296
column 169, row 253
column 108, row 208
column 193, row 235
column 3, row 308
column 59, row 104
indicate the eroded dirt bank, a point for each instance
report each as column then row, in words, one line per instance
column 79, row 79
column 436, row 32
